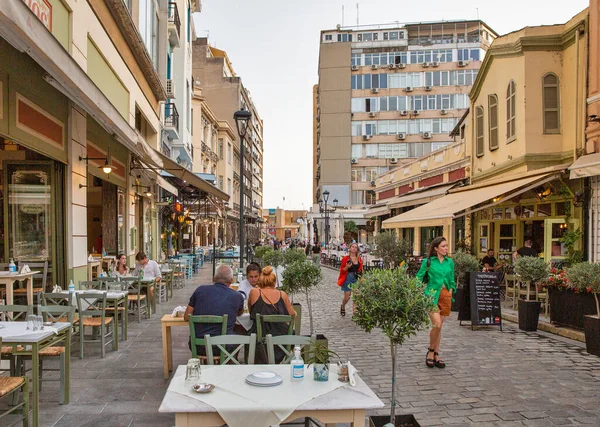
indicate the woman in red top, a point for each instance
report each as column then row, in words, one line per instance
column 350, row 270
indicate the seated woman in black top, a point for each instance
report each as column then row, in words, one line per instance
column 266, row 300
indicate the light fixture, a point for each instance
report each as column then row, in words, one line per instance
column 326, row 195
column 147, row 193
column 181, row 218
column 496, row 199
column 335, row 203
column 188, row 220
column 107, row 168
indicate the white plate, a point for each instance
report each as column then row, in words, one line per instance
column 264, row 377
column 264, row 384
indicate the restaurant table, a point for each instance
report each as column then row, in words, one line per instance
column 94, row 265
column 8, row 279
column 29, row 343
column 113, row 299
column 345, row 404
column 167, row 322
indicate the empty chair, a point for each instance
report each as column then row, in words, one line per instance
column 92, row 313
column 15, row 384
column 135, row 297
column 286, row 344
column 97, row 285
column 541, row 294
column 222, row 342
column 512, row 289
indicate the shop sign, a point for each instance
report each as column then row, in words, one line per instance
column 272, row 231
column 43, row 10
column 32, row 209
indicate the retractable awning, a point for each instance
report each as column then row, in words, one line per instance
column 191, row 178
column 454, row 205
column 588, row 165
column 409, row 199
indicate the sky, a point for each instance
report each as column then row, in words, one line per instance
column 274, row 47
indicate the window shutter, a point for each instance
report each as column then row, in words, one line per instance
column 479, row 131
column 493, row 120
column 551, row 103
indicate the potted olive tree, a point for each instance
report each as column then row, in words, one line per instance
column 391, row 249
column 394, row 302
column 302, row 277
column 532, row 270
column 585, row 277
column 464, row 265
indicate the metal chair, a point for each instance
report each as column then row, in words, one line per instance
column 196, row 341
column 286, row 343
column 543, row 296
column 9, row 385
column 222, row 341
column 92, row 313
column 134, row 287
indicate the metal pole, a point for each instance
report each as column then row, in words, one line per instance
column 241, row 202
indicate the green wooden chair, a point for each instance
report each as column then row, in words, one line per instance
column 222, row 341
column 92, row 313
column 134, row 287
column 286, row 343
column 10, row 385
column 272, row 318
column 196, row 341
column 97, row 285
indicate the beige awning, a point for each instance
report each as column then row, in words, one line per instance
column 190, row 178
column 588, row 165
column 450, row 206
column 377, row 211
column 164, row 184
column 419, row 197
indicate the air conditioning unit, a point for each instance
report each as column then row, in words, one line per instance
column 366, row 137
column 425, row 64
column 355, row 68
column 408, row 89
column 443, row 112
column 435, row 64
column 393, row 160
column 401, row 136
column 170, row 88
column 463, row 63
column 428, row 88
column 371, row 114
column 374, row 67
column 404, row 113
column 354, row 161
column 375, row 90
column 351, row 114
column 415, row 112
column 372, row 183
column 391, row 66
column 426, row 135
column 400, row 65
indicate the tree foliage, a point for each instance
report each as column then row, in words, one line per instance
column 531, row 269
column 464, row 265
column 260, row 251
column 301, row 277
column 350, row 226
column 391, row 249
column 292, row 255
column 273, row 258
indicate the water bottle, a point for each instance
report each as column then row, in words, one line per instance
column 141, row 274
column 240, row 277
column 297, row 365
column 12, row 267
column 103, row 252
column 71, row 286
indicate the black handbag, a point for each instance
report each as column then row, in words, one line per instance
column 426, row 275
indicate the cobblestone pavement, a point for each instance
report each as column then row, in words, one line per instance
column 492, row 378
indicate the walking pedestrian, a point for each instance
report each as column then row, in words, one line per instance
column 440, row 284
column 350, row 270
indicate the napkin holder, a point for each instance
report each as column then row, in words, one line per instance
column 25, row 269
column 179, row 311
column 56, row 289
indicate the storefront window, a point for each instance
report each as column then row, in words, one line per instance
column 147, row 227
column 527, row 211
column 507, row 241
column 29, row 212
column 558, row 248
column 544, row 210
column 561, row 208
column 120, row 222
column 427, row 235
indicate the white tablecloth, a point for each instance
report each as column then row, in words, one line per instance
column 243, row 405
column 245, row 321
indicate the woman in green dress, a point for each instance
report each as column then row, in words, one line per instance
column 441, row 284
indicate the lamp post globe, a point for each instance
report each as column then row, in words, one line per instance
column 242, row 118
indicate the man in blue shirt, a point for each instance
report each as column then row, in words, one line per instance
column 216, row 300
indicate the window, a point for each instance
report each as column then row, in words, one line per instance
column 370, row 174
column 229, row 153
column 479, row 131
column 220, row 148
column 356, row 59
column 221, row 182
column 358, row 197
column 356, row 175
column 511, row 104
column 493, row 120
column 371, row 150
column 370, row 197
column 328, row 37
column 149, row 28
column 356, row 151
column 551, row 104
column 228, row 185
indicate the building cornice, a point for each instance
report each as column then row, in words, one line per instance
column 438, row 171
column 132, row 36
column 548, row 42
column 536, row 160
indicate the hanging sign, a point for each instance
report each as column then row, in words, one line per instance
column 43, row 10
column 32, row 209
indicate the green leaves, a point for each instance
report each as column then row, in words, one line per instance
column 391, row 249
column 585, row 277
column 464, row 264
column 260, row 251
column 293, row 255
column 531, row 269
column 301, row 276
column 273, row 258
column 392, row 301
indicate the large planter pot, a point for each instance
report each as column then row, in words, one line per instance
column 591, row 326
column 320, row 372
column 529, row 315
column 568, row 308
column 407, row 420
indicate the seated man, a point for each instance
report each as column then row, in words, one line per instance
column 151, row 270
column 215, row 300
column 490, row 263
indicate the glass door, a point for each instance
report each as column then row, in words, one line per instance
column 506, row 236
column 554, row 250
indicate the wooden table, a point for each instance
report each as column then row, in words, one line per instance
column 14, row 334
column 345, row 404
column 167, row 322
column 8, row 279
column 94, row 265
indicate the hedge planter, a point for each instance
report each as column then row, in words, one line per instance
column 529, row 315
column 591, row 326
column 568, row 308
column 401, row 421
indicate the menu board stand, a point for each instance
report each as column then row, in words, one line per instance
column 485, row 299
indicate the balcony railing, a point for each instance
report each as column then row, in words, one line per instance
column 173, row 19
column 172, row 118
column 236, row 176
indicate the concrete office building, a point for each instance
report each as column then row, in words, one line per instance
column 388, row 94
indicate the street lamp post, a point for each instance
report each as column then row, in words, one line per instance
column 326, row 210
column 242, row 118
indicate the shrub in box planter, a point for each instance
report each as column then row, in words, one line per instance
column 585, row 277
column 568, row 308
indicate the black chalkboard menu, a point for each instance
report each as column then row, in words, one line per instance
column 485, row 299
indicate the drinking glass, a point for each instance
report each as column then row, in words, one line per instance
column 192, row 373
column 30, row 322
column 34, row 320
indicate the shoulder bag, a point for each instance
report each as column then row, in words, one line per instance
column 426, row 276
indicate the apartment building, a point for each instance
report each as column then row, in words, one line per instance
column 388, row 94
column 224, row 92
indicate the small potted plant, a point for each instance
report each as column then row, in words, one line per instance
column 530, row 269
column 319, row 355
column 464, row 265
column 394, row 302
column 585, row 277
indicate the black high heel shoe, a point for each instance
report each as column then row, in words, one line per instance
column 430, row 362
column 438, row 362
column 343, row 311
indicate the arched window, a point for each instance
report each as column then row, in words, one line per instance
column 511, row 105
column 479, row 131
column 493, row 120
column 551, row 103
